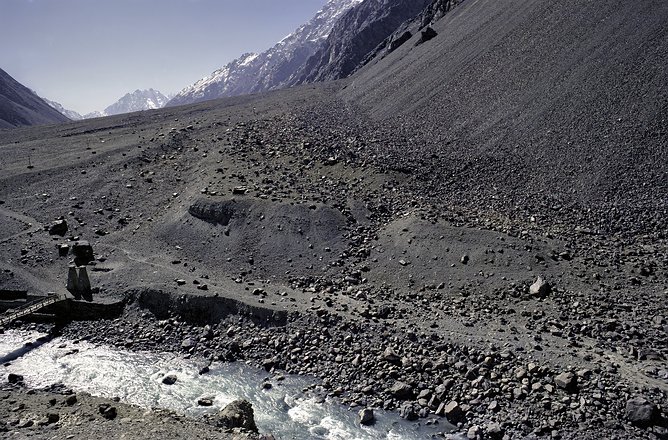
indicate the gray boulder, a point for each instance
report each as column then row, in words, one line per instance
column 401, row 390
column 642, row 412
column 366, row 416
column 238, row 414
column 59, row 227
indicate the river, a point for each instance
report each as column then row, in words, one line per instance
column 136, row 378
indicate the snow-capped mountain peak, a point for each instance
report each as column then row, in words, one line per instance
column 137, row 101
column 271, row 69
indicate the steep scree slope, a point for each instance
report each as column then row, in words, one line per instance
column 527, row 97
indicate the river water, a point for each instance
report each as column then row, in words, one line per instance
column 136, row 378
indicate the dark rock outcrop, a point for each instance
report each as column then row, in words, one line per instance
column 427, row 34
column 355, row 36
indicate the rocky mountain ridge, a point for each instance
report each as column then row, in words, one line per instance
column 71, row 114
column 20, row 106
column 355, row 36
column 272, row 69
column 138, row 100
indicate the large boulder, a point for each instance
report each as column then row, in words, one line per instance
column 401, row 390
column 427, row 34
column 642, row 412
column 59, row 227
column 366, row 416
column 83, row 252
column 238, row 414
column 170, row 379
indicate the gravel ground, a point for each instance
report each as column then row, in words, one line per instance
column 386, row 236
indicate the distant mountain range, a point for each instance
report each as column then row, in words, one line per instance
column 20, row 106
column 341, row 38
column 138, row 100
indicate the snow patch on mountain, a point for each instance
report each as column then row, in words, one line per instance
column 71, row 114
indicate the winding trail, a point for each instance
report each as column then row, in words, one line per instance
column 33, row 225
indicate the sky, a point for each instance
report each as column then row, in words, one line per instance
column 86, row 54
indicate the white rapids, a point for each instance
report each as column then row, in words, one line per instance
column 136, row 378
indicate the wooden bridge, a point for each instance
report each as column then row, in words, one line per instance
column 31, row 308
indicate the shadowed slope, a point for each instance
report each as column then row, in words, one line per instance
column 20, row 106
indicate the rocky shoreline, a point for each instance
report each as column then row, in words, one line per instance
column 58, row 412
column 485, row 390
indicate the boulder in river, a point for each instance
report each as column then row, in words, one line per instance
column 14, row 378
column 170, row 379
column 238, row 414
column 366, row 416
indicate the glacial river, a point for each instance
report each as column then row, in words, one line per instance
column 136, row 378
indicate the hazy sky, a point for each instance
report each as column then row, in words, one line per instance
column 86, row 54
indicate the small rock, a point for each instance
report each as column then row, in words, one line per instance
column 391, row 356
column 566, row 381
column 188, row 343
column 108, row 412
column 407, row 411
column 71, row 400
column 540, row 287
column 49, row 419
column 494, row 430
column 205, row 401
column 25, row 423
column 474, row 432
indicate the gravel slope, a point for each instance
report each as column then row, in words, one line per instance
column 440, row 183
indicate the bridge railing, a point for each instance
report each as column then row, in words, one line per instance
column 30, row 308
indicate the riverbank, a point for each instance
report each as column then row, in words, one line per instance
column 485, row 389
column 59, row 413
column 189, row 385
